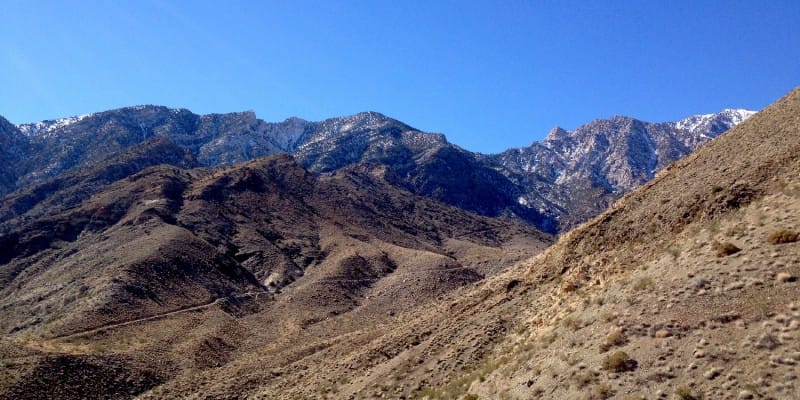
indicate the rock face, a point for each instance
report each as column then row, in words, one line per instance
column 574, row 175
column 554, row 185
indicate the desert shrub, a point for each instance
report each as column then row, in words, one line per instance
column 725, row 249
column 583, row 379
column 471, row 396
column 736, row 230
column 615, row 338
column 600, row 391
column 643, row 283
column 549, row 339
column 600, row 300
column 686, row 393
column 572, row 323
column 783, row 236
column 619, row 362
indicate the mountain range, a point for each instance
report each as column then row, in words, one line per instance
column 554, row 184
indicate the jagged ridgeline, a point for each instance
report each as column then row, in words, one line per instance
column 554, row 184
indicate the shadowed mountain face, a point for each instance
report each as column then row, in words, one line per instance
column 72, row 188
column 553, row 185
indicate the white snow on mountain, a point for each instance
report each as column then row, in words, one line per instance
column 730, row 117
column 48, row 127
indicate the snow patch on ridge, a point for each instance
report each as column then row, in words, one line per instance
column 732, row 117
column 48, row 127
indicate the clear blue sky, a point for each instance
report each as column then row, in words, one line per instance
column 488, row 74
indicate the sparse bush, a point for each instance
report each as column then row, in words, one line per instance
column 600, row 300
column 619, row 362
column 716, row 189
column 725, row 249
column 783, row 236
column 471, row 396
column 572, row 323
column 686, row 393
column 547, row 340
column 615, row 338
column 584, row 378
column 767, row 341
column 600, row 391
column 643, row 283
column 608, row 316
column 736, row 230
column 674, row 251
column 428, row 393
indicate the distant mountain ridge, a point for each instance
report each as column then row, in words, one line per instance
column 574, row 175
column 553, row 184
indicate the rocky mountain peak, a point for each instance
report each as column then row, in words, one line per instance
column 363, row 121
column 557, row 133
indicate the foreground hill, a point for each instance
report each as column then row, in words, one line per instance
column 203, row 263
column 554, row 185
column 687, row 288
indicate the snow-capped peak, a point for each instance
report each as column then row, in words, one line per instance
column 730, row 117
column 47, row 127
column 737, row 116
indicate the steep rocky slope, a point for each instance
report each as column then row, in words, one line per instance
column 686, row 289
